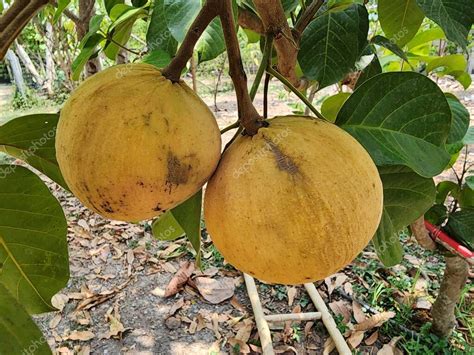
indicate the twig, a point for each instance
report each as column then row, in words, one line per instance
column 265, row 95
column 308, row 15
column 15, row 19
column 295, row 91
column 230, row 127
column 208, row 12
column 248, row 115
column 266, row 59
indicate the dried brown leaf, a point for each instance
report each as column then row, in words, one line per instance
column 335, row 281
column 329, row 346
column 80, row 335
column 176, row 306
column 59, row 301
column 391, row 348
column 359, row 315
column 372, row 338
column 355, row 339
column 242, row 346
column 375, row 321
column 215, row 290
column 341, row 308
column 244, row 332
column 291, row 291
column 54, row 322
column 179, row 279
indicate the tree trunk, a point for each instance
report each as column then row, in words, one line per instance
column 50, row 70
column 454, row 279
column 28, row 63
column 16, row 71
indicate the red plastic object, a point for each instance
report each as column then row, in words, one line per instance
column 439, row 236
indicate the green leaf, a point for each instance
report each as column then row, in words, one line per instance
column 188, row 215
column 369, row 71
column 332, row 43
column 437, row 214
column 333, row 104
column 87, row 51
column 470, row 181
column 391, row 46
column 62, row 4
column 166, row 227
column 444, row 188
column 211, row 43
column 94, row 26
column 109, row 4
column 453, row 64
column 32, row 139
column 400, row 19
column 179, row 16
column 401, row 118
column 289, row 5
column 425, row 37
column 387, row 242
column 454, row 17
column 460, row 121
column 469, row 137
column 158, row 35
column 466, row 197
column 159, row 58
column 461, row 226
column 33, row 240
column 18, row 332
column 406, row 197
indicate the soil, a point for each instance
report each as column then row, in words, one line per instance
column 120, row 271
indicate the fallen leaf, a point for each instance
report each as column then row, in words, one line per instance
column 372, row 338
column 59, row 301
column 334, row 281
column 192, row 327
column 243, row 334
column 80, row 335
column 348, row 288
column 359, row 315
column 422, row 303
column 116, row 328
column 158, row 292
column 83, row 224
column 329, row 346
column 172, row 323
column 242, row 347
column 307, row 328
column 291, row 291
column 355, row 339
column 85, row 350
column 54, row 322
column 237, row 305
column 215, row 290
column 176, row 306
column 130, row 257
column 341, row 308
column 179, row 279
column 391, row 348
column 375, row 321
column 215, row 325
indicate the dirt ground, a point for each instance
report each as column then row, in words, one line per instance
column 114, row 304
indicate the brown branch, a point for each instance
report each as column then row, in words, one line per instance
column 308, row 15
column 15, row 19
column 421, row 234
column 208, row 12
column 247, row 19
column 274, row 21
column 248, row 115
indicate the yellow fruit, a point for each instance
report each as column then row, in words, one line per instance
column 294, row 203
column 131, row 144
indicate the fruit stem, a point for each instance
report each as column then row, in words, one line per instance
column 248, row 115
column 230, row 127
column 303, row 98
column 266, row 59
column 208, row 12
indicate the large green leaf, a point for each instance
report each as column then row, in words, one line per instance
column 158, row 57
column 31, row 139
column 460, row 121
column 185, row 218
column 179, row 16
column 211, row 43
column 406, row 197
column 401, row 118
column 390, row 45
column 18, row 333
column 33, row 240
column 461, row 226
column 453, row 64
column 400, row 19
column 332, row 43
column 425, row 37
column 87, row 51
column 469, row 137
column 331, row 106
column 454, row 16
column 158, row 35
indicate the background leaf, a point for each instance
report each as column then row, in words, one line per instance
column 369, row 71
column 332, row 43
column 179, row 16
column 158, row 57
column 333, row 104
column 14, row 321
column 460, row 120
column 158, row 35
column 88, row 50
column 31, row 139
column 454, row 17
column 391, row 46
column 211, row 43
column 400, row 19
column 33, row 240
column 406, row 197
column 461, row 226
column 401, row 118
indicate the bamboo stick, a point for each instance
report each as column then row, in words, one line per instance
column 327, row 319
column 262, row 325
column 293, row 317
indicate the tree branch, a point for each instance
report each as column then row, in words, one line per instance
column 247, row 19
column 15, row 19
column 208, row 12
column 274, row 21
column 308, row 15
column 248, row 115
